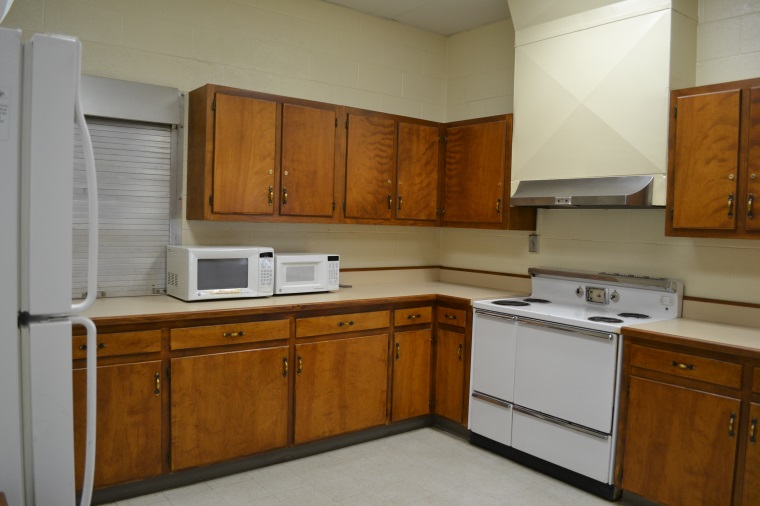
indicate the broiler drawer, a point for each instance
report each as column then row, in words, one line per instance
column 686, row 365
column 341, row 323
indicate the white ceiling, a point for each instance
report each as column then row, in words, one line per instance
column 444, row 17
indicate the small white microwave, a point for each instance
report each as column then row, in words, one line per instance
column 305, row 273
column 219, row 272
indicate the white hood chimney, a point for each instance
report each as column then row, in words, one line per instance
column 592, row 83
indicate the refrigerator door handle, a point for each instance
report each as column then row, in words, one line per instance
column 92, row 201
column 92, row 398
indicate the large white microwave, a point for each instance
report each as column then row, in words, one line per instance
column 306, row 273
column 219, row 272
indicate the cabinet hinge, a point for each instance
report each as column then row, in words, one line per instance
column 443, row 211
column 168, row 373
column 672, row 212
column 344, row 206
column 169, row 457
column 445, row 140
column 675, row 111
column 346, row 123
column 213, row 105
column 211, row 200
column 333, row 206
column 431, row 404
column 336, row 122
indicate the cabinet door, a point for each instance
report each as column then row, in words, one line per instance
column 228, row 405
column 370, row 166
column 751, row 483
column 678, row 448
column 753, row 163
column 449, row 375
column 417, row 179
column 308, row 161
column 474, row 181
column 244, row 155
column 341, row 386
column 411, row 374
column 128, row 439
column 706, row 161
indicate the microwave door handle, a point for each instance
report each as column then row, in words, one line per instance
column 92, row 202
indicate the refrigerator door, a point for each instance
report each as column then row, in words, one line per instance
column 11, row 463
column 48, row 412
column 51, row 66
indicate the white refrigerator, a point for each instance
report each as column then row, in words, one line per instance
column 39, row 100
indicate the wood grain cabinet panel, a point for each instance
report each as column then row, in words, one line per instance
column 685, row 365
column 449, row 375
column 370, row 167
column 228, row 405
column 756, row 380
column 119, row 343
column 341, row 386
column 751, row 482
column 308, row 161
column 417, row 172
column 128, row 440
column 678, row 447
column 342, row 323
column 713, row 167
column 412, row 316
column 231, row 333
column 451, row 316
column 411, row 374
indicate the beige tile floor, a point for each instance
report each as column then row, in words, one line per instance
column 423, row 467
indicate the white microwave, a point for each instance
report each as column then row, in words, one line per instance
column 219, row 272
column 305, row 273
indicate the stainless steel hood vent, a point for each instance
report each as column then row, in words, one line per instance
column 605, row 192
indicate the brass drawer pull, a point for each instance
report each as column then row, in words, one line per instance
column 400, row 202
column 234, row 334
column 390, row 202
column 680, row 365
column 450, row 316
column 284, row 367
column 730, row 205
column 157, row 391
column 498, row 205
column 398, row 350
column 284, row 196
column 413, row 316
column 84, row 346
column 459, row 351
column 752, row 429
column 751, row 201
column 271, row 195
column 731, row 421
column 299, row 369
column 348, row 323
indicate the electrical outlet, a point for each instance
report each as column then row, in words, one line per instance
column 533, row 243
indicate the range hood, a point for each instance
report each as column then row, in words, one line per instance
column 591, row 99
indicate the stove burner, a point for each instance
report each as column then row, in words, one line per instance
column 605, row 319
column 538, row 301
column 634, row 315
column 510, row 303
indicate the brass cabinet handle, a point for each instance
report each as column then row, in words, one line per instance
column 689, row 367
column 731, row 421
column 752, row 429
column 400, row 202
column 498, row 205
column 299, row 368
column 284, row 367
column 284, row 196
column 390, row 201
column 349, row 323
column 450, row 316
column 459, row 351
column 751, row 201
column 234, row 334
column 157, row 391
column 271, row 195
column 413, row 316
column 398, row 350
column 730, row 205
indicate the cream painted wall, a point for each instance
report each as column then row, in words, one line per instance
column 315, row 50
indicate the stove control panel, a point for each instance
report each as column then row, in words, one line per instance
column 596, row 295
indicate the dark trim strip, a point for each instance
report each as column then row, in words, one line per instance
column 722, row 302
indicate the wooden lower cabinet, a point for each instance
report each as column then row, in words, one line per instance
column 678, row 448
column 341, row 386
column 128, row 441
column 449, row 374
column 228, row 405
column 411, row 374
column 751, row 483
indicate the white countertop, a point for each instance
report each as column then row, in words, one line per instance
column 160, row 304
column 747, row 338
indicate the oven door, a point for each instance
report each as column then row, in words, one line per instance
column 566, row 372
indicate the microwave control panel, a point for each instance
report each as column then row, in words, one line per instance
column 266, row 269
column 333, row 271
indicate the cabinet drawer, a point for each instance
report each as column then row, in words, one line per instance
column 450, row 316
column 412, row 316
column 234, row 333
column 756, row 380
column 338, row 324
column 119, row 343
column 687, row 366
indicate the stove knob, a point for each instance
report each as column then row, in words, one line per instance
column 615, row 297
column 579, row 291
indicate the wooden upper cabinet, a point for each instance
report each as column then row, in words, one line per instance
column 713, row 165
column 370, row 167
column 478, row 153
column 417, row 172
column 308, row 161
column 244, row 155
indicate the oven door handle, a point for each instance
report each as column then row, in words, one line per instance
column 494, row 314
column 562, row 423
column 568, row 328
column 490, row 399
